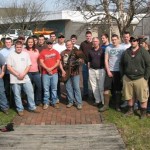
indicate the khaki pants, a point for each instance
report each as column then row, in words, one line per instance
column 96, row 78
column 135, row 89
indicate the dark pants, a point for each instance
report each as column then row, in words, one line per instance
column 7, row 85
column 113, row 83
column 148, row 105
column 3, row 100
column 85, row 74
column 58, row 90
column 8, row 90
column 36, row 81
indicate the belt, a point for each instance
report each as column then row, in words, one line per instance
column 33, row 73
column 97, row 68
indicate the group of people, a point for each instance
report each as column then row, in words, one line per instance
column 120, row 68
column 37, row 66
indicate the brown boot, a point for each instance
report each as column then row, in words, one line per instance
column 143, row 113
column 106, row 103
column 130, row 111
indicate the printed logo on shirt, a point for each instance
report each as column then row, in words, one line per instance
column 22, row 59
column 50, row 56
column 116, row 51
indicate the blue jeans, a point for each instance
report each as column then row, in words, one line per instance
column 50, row 88
column 73, row 89
column 36, row 80
column 28, row 89
column 6, row 80
column 85, row 74
column 3, row 100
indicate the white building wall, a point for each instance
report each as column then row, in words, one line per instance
column 78, row 29
column 143, row 28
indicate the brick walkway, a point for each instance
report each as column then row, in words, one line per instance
column 88, row 115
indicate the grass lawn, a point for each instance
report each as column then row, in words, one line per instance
column 135, row 132
column 4, row 119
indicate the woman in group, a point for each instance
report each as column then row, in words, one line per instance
column 34, row 70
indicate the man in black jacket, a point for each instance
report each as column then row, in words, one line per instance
column 85, row 47
column 135, row 68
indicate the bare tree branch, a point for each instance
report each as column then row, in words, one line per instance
column 23, row 14
column 120, row 12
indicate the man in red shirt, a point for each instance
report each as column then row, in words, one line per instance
column 49, row 60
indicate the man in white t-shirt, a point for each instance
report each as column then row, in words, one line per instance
column 18, row 64
column 126, row 40
column 125, row 45
column 60, row 47
column 113, row 55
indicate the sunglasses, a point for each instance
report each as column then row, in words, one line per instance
column 135, row 40
column 49, row 43
column 61, row 37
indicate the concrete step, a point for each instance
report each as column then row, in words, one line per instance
column 63, row 137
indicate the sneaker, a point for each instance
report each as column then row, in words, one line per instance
column 118, row 109
column 45, row 106
column 57, row 101
column 79, row 106
column 20, row 113
column 5, row 111
column 35, row 111
column 56, row 106
column 125, row 104
column 104, row 108
column 69, row 105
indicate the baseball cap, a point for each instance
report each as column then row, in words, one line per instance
column 48, row 41
column 133, row 39
column 61, row 36
column 141, row 40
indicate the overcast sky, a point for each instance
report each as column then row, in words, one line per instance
column 49, row 5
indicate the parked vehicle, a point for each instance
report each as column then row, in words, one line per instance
column 15, row 33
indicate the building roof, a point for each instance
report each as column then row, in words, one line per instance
column 76, row 16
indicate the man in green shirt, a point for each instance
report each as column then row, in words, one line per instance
column 135, row 69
